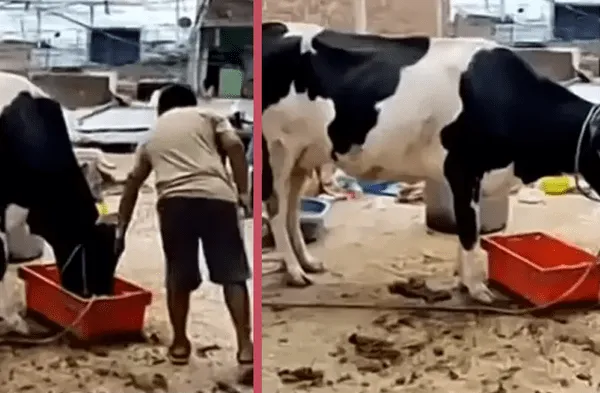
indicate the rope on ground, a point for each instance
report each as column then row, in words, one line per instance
column 53, row 338
column 71, row 326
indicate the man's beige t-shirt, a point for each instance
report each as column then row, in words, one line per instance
column 183, row 152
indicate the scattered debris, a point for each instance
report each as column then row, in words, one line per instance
column 224, row 387
column 302, row 374
column 416, row 288
column 153, row 338
column 410, row 193
column 203, row 352
column 373, row 348
column 149, row 382
column 370, row 365
column 530, row 196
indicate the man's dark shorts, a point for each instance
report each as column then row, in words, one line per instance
column 184, row 221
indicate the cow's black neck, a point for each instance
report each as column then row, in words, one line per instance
column 41, row 174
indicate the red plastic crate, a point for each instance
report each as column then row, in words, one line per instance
column 118, row 315
column 541, row 268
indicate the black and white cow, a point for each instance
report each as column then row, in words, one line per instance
column 40, row 173
column 466, row 111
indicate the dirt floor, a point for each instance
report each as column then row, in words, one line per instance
column 136, row 367
column 367, row 246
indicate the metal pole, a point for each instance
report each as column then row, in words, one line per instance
column 38, row 30
column 88, row 49
column 360, row 16
column 502, row 10
column 177, row 16
column 551, row 16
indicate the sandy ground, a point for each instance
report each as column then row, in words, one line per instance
column 432, row 352
column 135, row 367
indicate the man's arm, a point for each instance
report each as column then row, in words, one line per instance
column 139, row 173
column 234, row 149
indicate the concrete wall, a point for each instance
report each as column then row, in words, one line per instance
column 391, row 17
column 75, row 90
column 14, row 56
column 465, row 27
column 556, row 63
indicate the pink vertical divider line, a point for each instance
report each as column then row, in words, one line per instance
column 257, row 190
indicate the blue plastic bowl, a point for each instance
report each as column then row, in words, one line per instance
column 383, row 188
column 312, row 217
column 313, row 209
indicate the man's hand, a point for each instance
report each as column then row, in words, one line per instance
column 246, row 204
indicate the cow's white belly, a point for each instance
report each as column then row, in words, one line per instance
column 392, row 159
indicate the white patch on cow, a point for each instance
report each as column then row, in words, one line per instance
column 9, row 315
column 306, row 31
column 154, row 98
column 472, row 275
column 499, row 182
column 405, row 142
column 11, row 320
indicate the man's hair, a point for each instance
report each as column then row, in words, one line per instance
column 175, row 96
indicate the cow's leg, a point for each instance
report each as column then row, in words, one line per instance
column 309, row 263
column 3, row 259
column 4, row 293
column 8, row 314
column 282, row 162
column 466, row 190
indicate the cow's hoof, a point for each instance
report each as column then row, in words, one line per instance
column 17, row 324
column 298, row 279
column 313, row 266
column 481, row 293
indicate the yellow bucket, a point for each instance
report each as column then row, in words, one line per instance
column 556, row 185
column 102, row 208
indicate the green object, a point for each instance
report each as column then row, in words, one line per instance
column 230, row 82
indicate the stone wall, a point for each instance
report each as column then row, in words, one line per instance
column 555, row 63
column 390, row 17
column 74, row 90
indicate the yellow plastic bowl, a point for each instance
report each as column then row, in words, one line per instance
column 556, row 185
column 102, row 208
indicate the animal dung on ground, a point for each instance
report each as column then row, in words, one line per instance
column 224, row 387
column 302, row 374
column 416, row 288
column 203, row 352
column 373, row 348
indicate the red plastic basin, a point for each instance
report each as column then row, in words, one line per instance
column 118, row 315
column 541, row 268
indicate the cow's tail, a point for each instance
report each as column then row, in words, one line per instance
column 267, row 172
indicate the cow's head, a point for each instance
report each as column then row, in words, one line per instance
column 40, row 173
